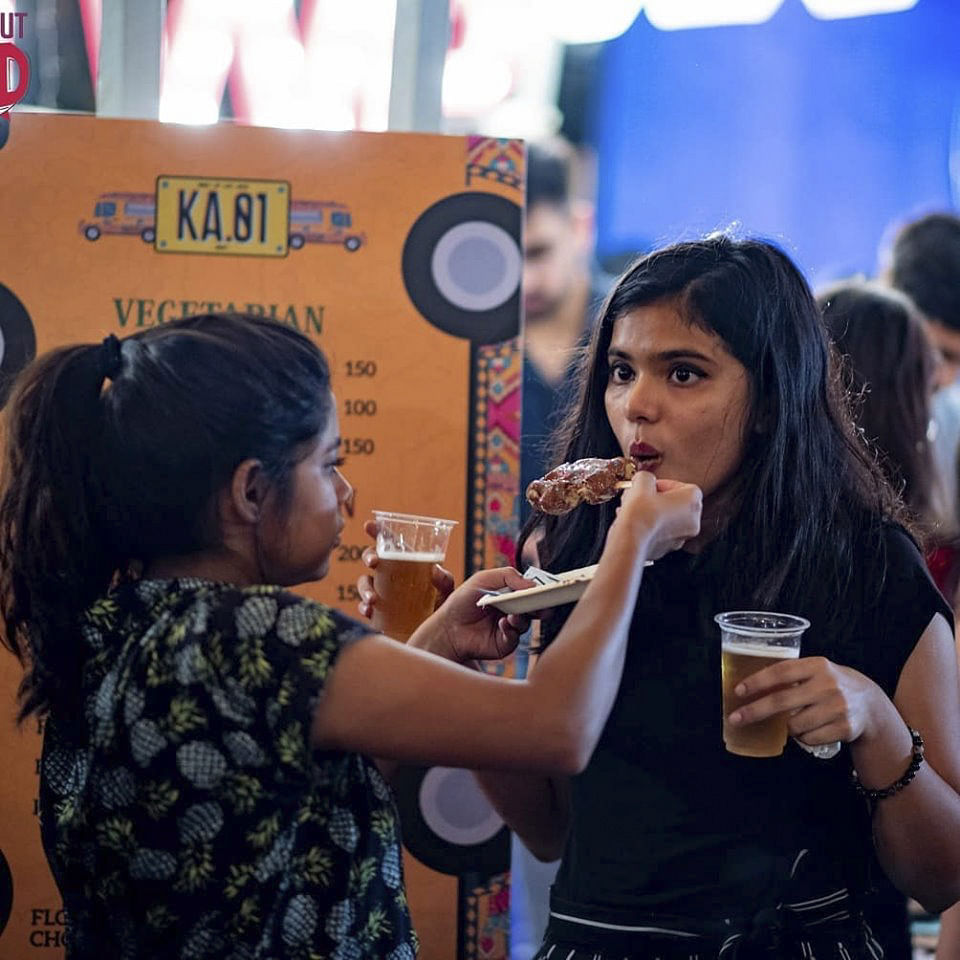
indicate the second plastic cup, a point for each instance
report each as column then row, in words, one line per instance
column 407, row 548
column 749, row 641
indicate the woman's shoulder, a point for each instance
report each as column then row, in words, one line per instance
column 883, row 548
column 233, row 641
column 902, row 570
column 248, row 612
column 902, row 545
column 899, row 599
column 265, row 609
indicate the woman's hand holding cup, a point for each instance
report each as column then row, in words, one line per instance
column 459, row 629
column 441, row 577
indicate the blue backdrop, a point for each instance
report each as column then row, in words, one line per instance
column 820, row 134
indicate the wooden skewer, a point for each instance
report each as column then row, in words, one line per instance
column 622, row 485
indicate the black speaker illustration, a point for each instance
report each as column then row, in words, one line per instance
column 6, row 892
column 448, row 824
column 18, row 341
column 462, row 266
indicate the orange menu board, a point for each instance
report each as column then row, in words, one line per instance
column 400, row 255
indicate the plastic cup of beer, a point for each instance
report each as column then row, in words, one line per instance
column 749, row 641
column 407, row 548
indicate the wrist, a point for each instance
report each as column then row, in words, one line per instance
column 631, row 543
column 433, row 637
column 873, row 794
column 884, row 749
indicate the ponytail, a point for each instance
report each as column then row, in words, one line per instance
column 54, row 559
column 99, row 483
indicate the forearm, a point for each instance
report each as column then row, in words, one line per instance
column 917, row 830
column 532, row 805
column 434, row 641
column 948, row 944
column 424, row 638
column 536, row 808
column 576, row 682
column 578, row 676
column 917, row 835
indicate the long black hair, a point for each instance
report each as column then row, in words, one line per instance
column 889, row 374
column 807, row 489
column 114, row 455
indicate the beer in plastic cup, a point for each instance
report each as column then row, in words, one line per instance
column 750, row 641
column 407, row 548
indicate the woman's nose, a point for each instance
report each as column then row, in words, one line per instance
column 641, row 400
column 348, row 496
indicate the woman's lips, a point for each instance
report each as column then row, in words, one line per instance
column 645, row 456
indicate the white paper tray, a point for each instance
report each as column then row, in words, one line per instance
column 571, row 586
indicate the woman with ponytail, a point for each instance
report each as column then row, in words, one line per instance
column 206, row 782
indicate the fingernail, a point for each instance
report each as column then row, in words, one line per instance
column 740, row 689
column 735, row 717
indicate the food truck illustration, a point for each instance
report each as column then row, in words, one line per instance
column 310, row 221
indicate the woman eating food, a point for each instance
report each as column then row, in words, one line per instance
column 710, row 366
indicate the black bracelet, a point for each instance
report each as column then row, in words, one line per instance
column 898, row 785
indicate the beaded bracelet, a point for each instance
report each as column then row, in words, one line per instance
column 895, row 787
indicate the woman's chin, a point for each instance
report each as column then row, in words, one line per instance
column 301, row 577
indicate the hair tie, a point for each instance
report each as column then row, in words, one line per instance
column 110, row 357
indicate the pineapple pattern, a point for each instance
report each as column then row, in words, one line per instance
column 184, row 814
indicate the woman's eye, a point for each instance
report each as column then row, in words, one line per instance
column 685, row 375
column 620, row 373
column 337, row 464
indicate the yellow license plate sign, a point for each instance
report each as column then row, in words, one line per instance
column 213, row 215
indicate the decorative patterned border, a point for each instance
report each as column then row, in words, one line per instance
column 496, row 375
column 493, row 519
column 495, row 159
column 495, row 508
column 485, row 919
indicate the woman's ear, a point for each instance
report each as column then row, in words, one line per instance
column 248, row 490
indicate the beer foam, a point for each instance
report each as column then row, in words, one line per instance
column 758, row 650
column 410, row 557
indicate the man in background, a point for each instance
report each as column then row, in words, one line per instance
column 561, row 295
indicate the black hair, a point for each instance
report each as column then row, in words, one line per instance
column 807, row 489
column 549, row 173
column 103, row 477
column 926, row 266
column 889, row 374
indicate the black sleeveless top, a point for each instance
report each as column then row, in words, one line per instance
column 665, row 820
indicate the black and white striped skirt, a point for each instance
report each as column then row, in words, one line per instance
column 823, row 928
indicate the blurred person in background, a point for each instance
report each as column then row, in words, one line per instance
column 562, row 292
column 889, row 367
column 925, row 265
